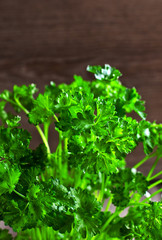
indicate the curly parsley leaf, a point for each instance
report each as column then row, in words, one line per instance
column 9, row 177
column 87, row 214
column 95, row 136
column 107, row 72
column 20, row 96
column 124, row 182
column 149, row 134
column 14, row 143
column 13, row 122
column 42, row 110
column 143, row 222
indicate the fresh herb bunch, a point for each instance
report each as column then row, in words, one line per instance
column 60, row 195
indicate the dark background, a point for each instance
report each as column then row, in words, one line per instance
column 51, row 40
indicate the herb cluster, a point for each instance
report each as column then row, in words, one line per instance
column 60, row 195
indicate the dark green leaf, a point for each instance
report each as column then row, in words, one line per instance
column 4, row 234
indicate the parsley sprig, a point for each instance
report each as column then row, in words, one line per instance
column 61, row 194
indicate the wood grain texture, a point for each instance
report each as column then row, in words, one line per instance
column 42, row 41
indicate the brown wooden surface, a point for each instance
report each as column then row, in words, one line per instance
column 49, row 40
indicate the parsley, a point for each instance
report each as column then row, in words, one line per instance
column 60, row 194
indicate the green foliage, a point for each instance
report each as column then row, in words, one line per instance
column 61, row 194
column 21, row 96
column 9, row 177
column 148, row 134
column 144, row 222
column 87, row 215
column 124, row 182
column 14, row 144
column 42, row 111
column 107, row 72
column 4, row 235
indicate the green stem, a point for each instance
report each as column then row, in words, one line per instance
column 60, row 155
column 72, row 231
column 21, row 195
column 155, row 176
column 99, row 197
column 98, row 115
column 155, row 184
column 21, row 106
column 65, row 157
column 101, row 193
column 38, row 234
column 94, row 237
column 55, row 117
column 43, row 138
column 44, row 232
column 66, row 145
column 37, row 127
column 25, row 207
column 138, row 204
column 153, row 167
column 152, row 195
column 46, row 128
column 34, row 237
column 87, row 235
column 144, row 160
column 105, row 162
column 96, row 194
column 116, row 213
column 43, row 177
column 108, row 203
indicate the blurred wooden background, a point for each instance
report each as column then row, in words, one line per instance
column 43, row 41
